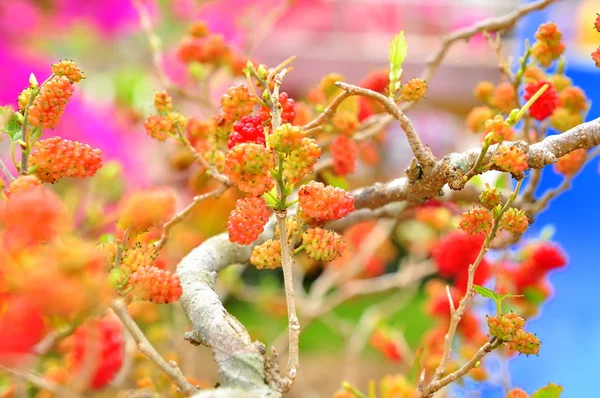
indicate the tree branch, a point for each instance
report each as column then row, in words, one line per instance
column 169, row 368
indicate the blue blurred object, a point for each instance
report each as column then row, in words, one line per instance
column 569, row 326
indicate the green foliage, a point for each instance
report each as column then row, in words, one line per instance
column 9, row 123
column 485, row 292
column 397, row 55
column 335, row 180
column 550, row 391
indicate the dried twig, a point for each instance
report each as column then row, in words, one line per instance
column 169, row 368
column 6, row 171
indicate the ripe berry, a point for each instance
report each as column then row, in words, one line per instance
column 382, row 342
column 288, row 111
column 300, row 163
column 548, row 256
column 511, row 159
column 548, row 32
column 517, row 393
column 324, row 203
column 545, row 53
column 98, row 342
column 505, row 327
column 247, row 220
column 249, row 129
column 163, row 102
column 68, row 69
column 525, row 343
column 21, row 328
column 546, row 103
column 504, row 97
column 515, row 221
column 323, row 245
column 236, row 103
column 344, row 151
column 142, row 210
column 490, row 197
column 483, row 91
column 248, row 165
column 158, row 127
column 596, row 57
column 267, row 255
column 477, row 117
column 497, row 130
column 50, row 103
column 476, row 221
column 597, row 23
column 155, row 285
column 286, row 138
column 56, row 157
column 414, row 90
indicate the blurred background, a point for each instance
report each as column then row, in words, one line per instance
column 349, row 37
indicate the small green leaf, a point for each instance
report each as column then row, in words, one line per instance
column 397, row 55
column 335, row 180
column 106, row 238
column 9, row 122
column 269, row 197
column 550, row 391
column 485, row 292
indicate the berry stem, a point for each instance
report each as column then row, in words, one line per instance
column 25, row 133
column 169, row 368
column 6, row 171
column 298, row 249
column 525, row 107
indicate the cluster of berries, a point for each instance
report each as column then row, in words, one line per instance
column 509, row 328
column 548, row 46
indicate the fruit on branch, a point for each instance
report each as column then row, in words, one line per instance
column 23, row 99
column 69, row 70
column 138, row 256
column 490, row 197
column 548, row 46
column 22, row 183
column 236, row 103
column 288, row 109
column 564, row 119
column 511, row 159
column 56, row 157
column 477, row 118
column 162, row 102
column 514, row 220
column 324, row 203
column 198, row 130
column 517, row 393
column 142, row 210
column 323, row 245
column 545, row 104
column 300, row 163
column 158, row 127
column 155, row 285
column 504, row 97
column 525, row 343
column 287, row 138
column 505, row 327
column 483, row 91
column 96, row 350
column 559, row 81
column 198, row 29
column 497, row 130
column 596, row 57
column 247, row 220
column 50, row 103
column 248, row 165
column 249, row 129
column 344, row 151
column 267, row 255
column 21, row 328
column 476, row 221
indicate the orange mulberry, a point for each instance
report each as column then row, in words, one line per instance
column 525, row 343
column 324, row 203
column 155, row 285
column 477, row 117
column 158, row 127
column 490, row 197
column 570, row 163
column 50, row 103
column 511, row 159
column 497, row 130
column 237, row 103
column 596, row 57
column 142, row 210
column 138, row 256
column 22, row 183
column 163, row 101
column 56, row 158
column 344, row 151
column 68, row 69
column 504, row 97
column 286, row 138
column 248, row 165
column 564, row 119
column 517, row 393
column 574, row 99
column 247, row 220
column 414, row 90
column 514, row 220
column 505, row 327
column 300, row 163
column 483, row 91
column 476, row 221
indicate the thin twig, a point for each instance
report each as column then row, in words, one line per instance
column 43, row 383
column 179, row 217
column 6, row 171
column 169, row 368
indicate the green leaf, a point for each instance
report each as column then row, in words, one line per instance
column 397, row 55
column 106, row 238
column 550, row 391
column 9, row 123
column 335, row 180
column 485, row 292
column 270, row 199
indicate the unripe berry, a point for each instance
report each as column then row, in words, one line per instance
column 483, row 91
column 505, row 327
column 548, row 32
column 517, row 393
column 476, row 221
column 504, row 97
column 158, row 127
column 597, row 23
column 248, row 165
column 515, row 221
column 24, row 99
column 344, row 151
column 324, row 203
column 247, row 220
column 574, row 99
column 564, row 119
column 345, row 122
column 267, row 255
column 323, row 245
column 511, row 159
column 490, row 197
column 414, row 90
column 138, row 256
column 198, row 130
column 50, row 103
column 525, row 343
column 300, row 163
column 163, row 101
column 497, row 131
column 99, row 342
column 22, row 183
column 477, row 117
column 68, row 69
column 559, row 81
column 545, row 104
column 570, row 163
column 56, row 158
column 155, row 285
column 142, row 210
column 534, row 74
column 545, row 53
column 286, row 138
column 327, row 84
column 237, row 103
